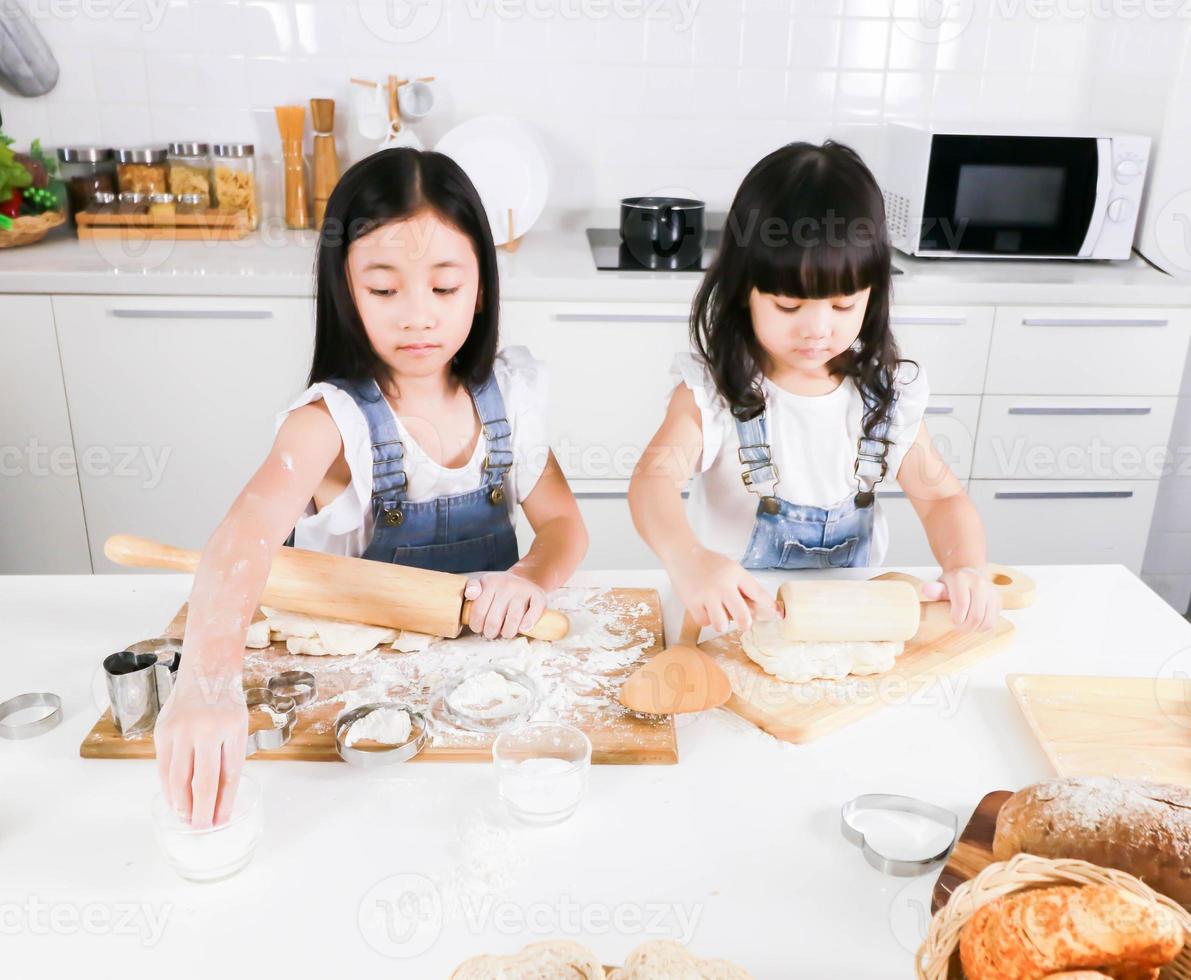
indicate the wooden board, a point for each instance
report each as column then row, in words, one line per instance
column 213, row 224
column 804, row 712
column 617, row 736
column 1136, row 727
column 973, row 851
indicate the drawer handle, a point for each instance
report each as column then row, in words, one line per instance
column 622, row 317
column 939, row 409
column 892, row 494
column 928, row 321
column 1062, row 494
column 611, row 494
column 1080, row 411
column 192, row 314
column 1046, row 321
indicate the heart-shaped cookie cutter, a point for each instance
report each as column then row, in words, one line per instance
column 297, row 684
column 278, row 704
column 898, row 867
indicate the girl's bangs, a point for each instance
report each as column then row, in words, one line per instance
column 818, row 261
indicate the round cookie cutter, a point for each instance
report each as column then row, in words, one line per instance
column 441, row 705
column 29, row 729
column 898, row 867
column 279, row 734
column 290, row 683
column 385, row 755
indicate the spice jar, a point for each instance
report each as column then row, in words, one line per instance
column 190, row 170
column 104, row 202
column 130, row 202
column 191, row 203
column 141, row 171
column 234, row 167
column 87, row 171
column 162, row 206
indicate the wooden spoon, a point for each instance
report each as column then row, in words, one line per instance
column 679, row 680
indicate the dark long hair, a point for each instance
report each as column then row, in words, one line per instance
column 808, row 221
column 392, row 185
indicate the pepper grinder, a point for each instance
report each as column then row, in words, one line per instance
column 326, row 160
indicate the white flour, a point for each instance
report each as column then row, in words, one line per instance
column 541, row 787
column 388, row 726
column 488, row 695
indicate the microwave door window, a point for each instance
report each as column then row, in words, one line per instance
column 1009, row 195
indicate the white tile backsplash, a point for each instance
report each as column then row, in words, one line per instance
column 623, row 100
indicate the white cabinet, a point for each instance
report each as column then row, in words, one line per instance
column 950, row 342
column 182, row 393
column 609, row 376
column 1073, row 438
column 952, row 421
column 613, row 542
column 907, row 539
column 1059, row 522
column 42, row 529
column 1059, row 350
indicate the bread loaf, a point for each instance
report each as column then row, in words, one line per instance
column 665, row 959
column 1031, row 934
column 1135, row 826
column 553, row 960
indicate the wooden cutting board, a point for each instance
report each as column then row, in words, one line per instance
column 617, row 736
column 1110, row 726
column 973, row 851
column 804, row 712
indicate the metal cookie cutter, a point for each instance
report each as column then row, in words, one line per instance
column 139, row 681
column 899, row 867
column 38, row 726
column 484, row 721
column 296, row 684
column 381, row 756
column 279, row 734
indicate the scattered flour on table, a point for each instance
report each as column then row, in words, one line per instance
column 488, row 695
column 388, row 726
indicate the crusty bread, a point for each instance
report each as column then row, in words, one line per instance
column 1132, row 825
column 552, row 960
column 1119, row 973
column 665, row 959
column 1033, row 933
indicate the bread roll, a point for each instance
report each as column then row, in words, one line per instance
column 1030, row 934
column 1139, row 827
column 557, row 959
column 665, row 959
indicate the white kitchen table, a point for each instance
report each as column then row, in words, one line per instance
column 736, row 850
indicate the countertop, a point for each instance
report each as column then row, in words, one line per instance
column 553, row 263
column 736, row 849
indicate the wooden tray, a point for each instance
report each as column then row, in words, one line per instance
column 214, row 224
column 1136, row 727
column 804, row 712
column 617, row 736
column 973, row 851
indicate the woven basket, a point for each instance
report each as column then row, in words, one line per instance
column 938, row 956
column 30, row 228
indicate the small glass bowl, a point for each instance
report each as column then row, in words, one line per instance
column 542, row 770
column 212, row 853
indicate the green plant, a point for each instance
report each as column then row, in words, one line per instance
column 13, row 175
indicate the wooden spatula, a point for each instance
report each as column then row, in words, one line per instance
column 679, row 680
column 356, row 589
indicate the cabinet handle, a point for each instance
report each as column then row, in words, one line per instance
column 611, row 494
column 621, row 317
column 1143, row 410
column 928, row 321
column 1062, row 494
column 192, row 314
column 939, row 409
column 893, row 494
column 1047, row 321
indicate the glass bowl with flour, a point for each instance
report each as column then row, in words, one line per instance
column 488, row 698
column 212, row 853
column 542, row 770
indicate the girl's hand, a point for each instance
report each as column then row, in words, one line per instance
column 504, row 604
column 201, row 736
column 715, row 590
column 975, row 601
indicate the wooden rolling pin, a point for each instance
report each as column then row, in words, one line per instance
column 887, row 607
column 355, row 589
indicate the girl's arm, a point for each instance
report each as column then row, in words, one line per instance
column 505, row 604
column 955, row 532
column 712, row 587
column 201, row 734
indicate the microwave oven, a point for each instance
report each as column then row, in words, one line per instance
column 1013, row 193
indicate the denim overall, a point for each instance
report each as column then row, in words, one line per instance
column 789, row 536
column 466, row 532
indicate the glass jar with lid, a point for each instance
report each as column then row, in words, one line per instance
column 87, row 171
column 190, row 170
column 141, row 170
column 234, row 169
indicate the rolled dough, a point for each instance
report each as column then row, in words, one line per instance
column 789, row 660
column 317, row 637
